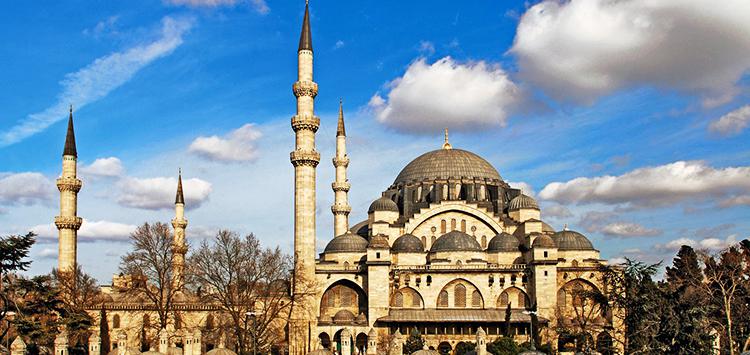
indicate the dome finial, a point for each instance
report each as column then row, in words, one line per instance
column 446, row 145
column 565, row 227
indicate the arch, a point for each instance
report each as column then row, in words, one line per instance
column 514, row 296
column 407, row 297
column 571, row 293
column 484, row 241
column 604, row 343
column 453, row 224
column 343, row 295
column 325, row 340
column 562, row 299
column 360, row 342
column 424, row 242
column 443, row 226
column 479, row 213
column 116, row 321
column 459, row 289
column 445, row 348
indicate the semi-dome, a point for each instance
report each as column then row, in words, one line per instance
column 383, row 204
column 543, row 241
column 221, row 350
column 503, row 242
column 522, row 202
column 343, row 316
column 447, row 163
column 347, row 243
column 407, row 243
column 379, row 241
column 455, row 241
column 571, row 240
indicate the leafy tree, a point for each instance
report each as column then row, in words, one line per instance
column 503, row 346
column 414, row 342
column 464, row 347
column 14, row 249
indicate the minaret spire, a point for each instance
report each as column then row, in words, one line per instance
column 341, row 185
column 305, row 160
column 68, row 221
column 179, row 247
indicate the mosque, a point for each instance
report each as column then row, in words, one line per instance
column 449, row 249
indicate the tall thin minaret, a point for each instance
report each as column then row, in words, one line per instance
column 341, row 185
column 179, row 248
column 305, row 159
column 68, row 221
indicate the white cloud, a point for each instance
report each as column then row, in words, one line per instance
column 104, row 167
column 47, row 253
column 259, row 5
column 709, row 244
column 237, row 146
column 583, row 49
column 556, row 212
column 448, row 94
column 742, row 200
column 525, row 188
column 427, row 47
column 159, row 192
column 25, row 188
column 629, row 229
column 339, row 44
column 99, row 78
column 106, row 26
column 653, row 186
column 732, row 123
column 90, row 231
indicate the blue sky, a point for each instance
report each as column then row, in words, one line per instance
column 628, row 120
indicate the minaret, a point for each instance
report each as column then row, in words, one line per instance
column 341, row 185
column 179, row 223
column 305, row 159
column 68, row 221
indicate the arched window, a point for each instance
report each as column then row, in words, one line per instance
column 346, row 299
column 429, row 280
column 453, row 224
column 424, row 241
column 443, row 299
column 398, row 299
column 574, row 263
column 116, row 321
column 562, row 299
column 442, row 226
column 459, row 296
column 503, row 300
column 463, row 225
column 484, row 241
column 432, row 241
column 521, row 300
column 476, row 299
column 416, row 301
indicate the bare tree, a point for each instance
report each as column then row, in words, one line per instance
column 723, row 283
column 77, row 290
column 150, row 265
column 249, row 282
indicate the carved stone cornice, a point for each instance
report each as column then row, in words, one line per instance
column 305, row 88
column 69, row 184
column 179, row 223
column 341, row 186
column 68, row 222
column 341, row 209
column 305, row 122
column 304, row 158
column 337, row 162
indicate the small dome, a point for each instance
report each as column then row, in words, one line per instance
column 455, row 241
column 571, row 240
column 383, row 204
column 343, row 316
column 522, row 202
column 546, row 228
column 503, row 242
column 361, row 318
column 379, row 241
column 543, row 241
column 407, row 243
column 347, row 243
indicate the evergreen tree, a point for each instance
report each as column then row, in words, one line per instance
column 414, row 342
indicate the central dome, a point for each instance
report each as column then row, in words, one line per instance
column 447, row 163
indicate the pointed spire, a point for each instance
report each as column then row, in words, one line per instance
column 180, row 198
column 70, row 137
column 305, row 39
column 341, row 130
column 446, row 145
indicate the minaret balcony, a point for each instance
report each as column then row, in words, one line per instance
column 69, row 184
column 337, row 162
column 179, row 223
column 304, row 158
column 341, row 209
column 305, row 122
column 68, row 222
column 341, row 186
column 305, row 88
